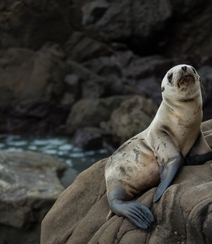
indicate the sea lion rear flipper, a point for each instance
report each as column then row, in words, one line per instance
column 167, row 174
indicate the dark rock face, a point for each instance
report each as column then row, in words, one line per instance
column 30, row 24
column 182, row 215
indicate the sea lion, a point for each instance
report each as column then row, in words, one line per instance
column 155, row 155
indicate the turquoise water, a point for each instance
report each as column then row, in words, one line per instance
column 60, row 147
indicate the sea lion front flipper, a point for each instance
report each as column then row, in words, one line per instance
column 121, row 204
column 167, row 174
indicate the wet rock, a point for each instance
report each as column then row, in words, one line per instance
column 180, row 216
column 29, row 186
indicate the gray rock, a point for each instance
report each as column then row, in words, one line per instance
column 29, row 186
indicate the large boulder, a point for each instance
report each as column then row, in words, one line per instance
column 31, row 83
column 91, row 112
column 29, row 186
column 28, row 76
column 131, row 117
column 183, row 214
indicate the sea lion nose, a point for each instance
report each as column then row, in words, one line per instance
column 184, row 68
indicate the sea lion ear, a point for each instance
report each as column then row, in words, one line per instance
column 162, row 88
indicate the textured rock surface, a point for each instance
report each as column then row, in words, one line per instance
column 30, row 86
column 29, row 185
column 183, row 214
column 133, row 116
column 90, row 112
column 30, row 24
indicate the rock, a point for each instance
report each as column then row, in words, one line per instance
column 30, row 85
column 91, row 112
column 30, row 24
column 207, row 131
column 206, row 78
column 199, row 14
column 121, row 49
column 80, row 47
column 25, row 75
column 133, row 116
column 182, row 215
column 152, row 27
column 94, row 10
column 116, row 23
column 91, row 84
column 88, row 138
column 104, row 66
column 10, row 235
column 29, row 186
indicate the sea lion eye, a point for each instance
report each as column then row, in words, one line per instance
column 194, row 70
column 170, row 77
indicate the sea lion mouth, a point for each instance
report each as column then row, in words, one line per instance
column 184, row 80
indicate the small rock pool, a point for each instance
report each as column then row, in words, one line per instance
column 60, row 147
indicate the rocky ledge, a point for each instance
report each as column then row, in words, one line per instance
column 183, row 214
column 29, row 185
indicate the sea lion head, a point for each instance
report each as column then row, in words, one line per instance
column 181, row 83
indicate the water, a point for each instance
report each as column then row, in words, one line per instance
column 60, row 147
